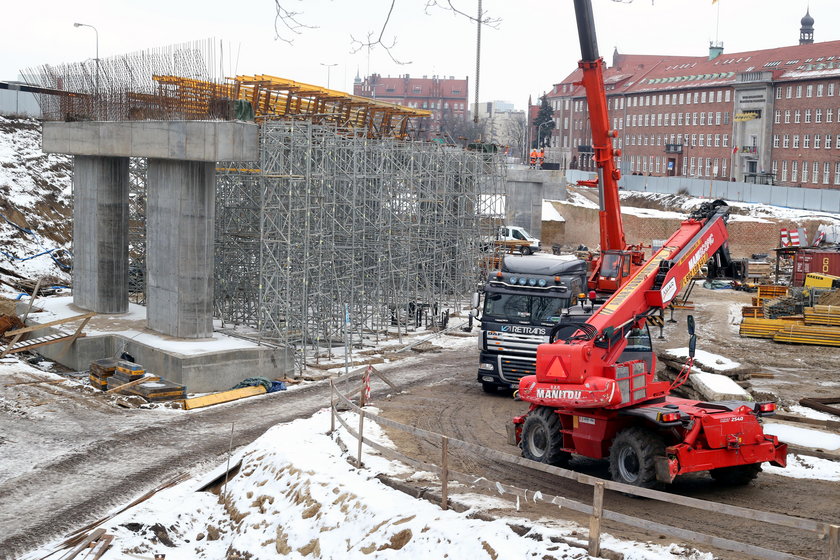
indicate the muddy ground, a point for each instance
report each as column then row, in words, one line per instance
column 457, row 407
column 70, row 455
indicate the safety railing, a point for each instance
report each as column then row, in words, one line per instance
column 826, row 532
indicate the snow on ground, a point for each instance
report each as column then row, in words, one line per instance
column 29, row 178
column 802, row 466
column 808, row 412
column 709, row 360
column 550, row 213
column 296, row 494
column 803, row 436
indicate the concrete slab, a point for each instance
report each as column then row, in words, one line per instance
column 216, row 363
column 715, row 387
column 209, row 141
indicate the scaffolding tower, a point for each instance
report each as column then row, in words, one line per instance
column 335, row 234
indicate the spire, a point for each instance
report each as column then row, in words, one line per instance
column 806, row 32
column 358, row 79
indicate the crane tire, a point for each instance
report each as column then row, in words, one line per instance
column 541, row 438
column 633, row 457
column 739, row 475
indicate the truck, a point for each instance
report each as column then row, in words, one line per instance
column 522, row 301
column 513, row 237
column 594, row 392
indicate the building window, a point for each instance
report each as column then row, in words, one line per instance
column 688, row 117
column 826, row 172
column 798, row 96
column 679, row 119
column 828, row 141
column 726, row 117
column 806, row 141
column 709, row 140
column 658, row 164
column 719, row 95
column 659, row 119
column 786, row 141
column 817, row 141
column 691, row 168
column 717, row 140
column 784, row 171
column 794, row 171
column 787, row 116
column 815, row 173
column 795, row 141
column 818, row 116
column 703, row 97
column 723, row 168
column 797, row 116
column 830, row 92
column 708, row 167
column 774, row 167
column 673, row 119
column 696, row 97
column 819, row 90
column 788, row 95
column 726, row 95
column 702, row 140
column 809, row 91
column 694, row 141
column 829, row 116
column 777, row 117
column 716, row 167
column 718, row 116
column 779, row 92
column 807, row 116
column 837, row 173
column 725, row 140
column 775, row 140
column 694, row 118
column 805, row 166
column 702, row 119
column 682, row 98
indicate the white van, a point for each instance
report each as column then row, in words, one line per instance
column 516, row 233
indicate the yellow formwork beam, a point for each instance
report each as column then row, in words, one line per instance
column 223, row 397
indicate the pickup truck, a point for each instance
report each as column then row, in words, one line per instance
column 516, row 237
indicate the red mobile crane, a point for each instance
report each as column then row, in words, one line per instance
column 617, row 260
column 594, row 392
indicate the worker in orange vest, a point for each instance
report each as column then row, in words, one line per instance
column 534, row 157
column 541, row 158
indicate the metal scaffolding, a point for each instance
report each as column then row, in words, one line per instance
column 337, row 236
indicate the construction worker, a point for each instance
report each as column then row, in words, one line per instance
column 541, row 158
column 534, row 157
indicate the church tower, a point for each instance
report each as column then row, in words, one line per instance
column 806, row 32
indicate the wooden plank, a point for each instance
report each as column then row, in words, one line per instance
column 51, row 324
column 85, row 542
column 834, row 542
column 223, row 397
column 136, row 382
column 444, row 472
column 595, row 520
column 101, row 547
column 702, row 538
column 38, row 342
column 32, row 300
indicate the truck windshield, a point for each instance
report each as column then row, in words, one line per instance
column 522, row 308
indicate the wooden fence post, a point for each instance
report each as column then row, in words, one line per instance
column 332, row 406
column 444, row 473
column 365, row 394
column 834, row 542
column 361, row 436
column 595, row 520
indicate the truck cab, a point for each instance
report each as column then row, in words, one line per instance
column 523, row 300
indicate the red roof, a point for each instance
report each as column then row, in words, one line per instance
column 640, row 73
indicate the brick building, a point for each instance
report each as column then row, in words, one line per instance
column 445, row 97
column 762, row 116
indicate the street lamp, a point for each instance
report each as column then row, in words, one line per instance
column 328, row 72
column 97, row 52
column 539, row 130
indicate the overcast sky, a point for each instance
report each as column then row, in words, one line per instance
column 535, row 45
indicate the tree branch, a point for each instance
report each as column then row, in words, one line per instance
column 450, row 7
column 371, row 42
column 288, row 19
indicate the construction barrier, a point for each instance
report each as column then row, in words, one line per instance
column 821, row 530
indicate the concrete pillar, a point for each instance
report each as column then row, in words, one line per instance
column 100, row 234
column 180, row 212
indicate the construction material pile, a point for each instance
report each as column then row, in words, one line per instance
column 786, row 318
column 121, row 376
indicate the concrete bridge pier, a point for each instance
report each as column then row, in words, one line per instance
column 100, row 234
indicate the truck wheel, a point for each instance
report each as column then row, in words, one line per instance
column 632, row 457
column 738, row 475
column 488, row 387
column 527, row 250
column 541, row 438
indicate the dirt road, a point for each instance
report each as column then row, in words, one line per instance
column 457, row 407
column 88, row 457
